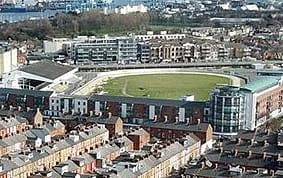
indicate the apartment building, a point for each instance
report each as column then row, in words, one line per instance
column 144, row 52
column 227, row 110
column 25, row 98
column 108, row 50
column 233, row 109
column 264, row 100
column 192, row 49
column 55, row 45
column 166, row 50
column 8, row 59
column 163, row 36
column 133, row 110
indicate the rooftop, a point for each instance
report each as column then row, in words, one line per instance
column 47, row 69
column 261, row 84
column 202, row 127
column 147, row 101
column 5, row 91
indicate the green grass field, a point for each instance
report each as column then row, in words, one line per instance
column 166, row 86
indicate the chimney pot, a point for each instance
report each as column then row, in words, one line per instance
column 272, row 172
column 176, row 119
column 250, row 154
column 236, row 152
column 28, row 109
column 90, row 113
column 109, row 115
column 165, row 119
column 264, row 155
column 19, row 108
column 202, row 164
column 239, row 141
column 216, row 165
column 11, row 107
column 198, row 121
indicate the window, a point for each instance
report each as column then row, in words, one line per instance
column 84, row 103
column 79, row 103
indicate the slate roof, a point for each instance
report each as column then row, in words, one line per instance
column 202, row 127
column 47, row 69
column 35, row 93
column 147, row 101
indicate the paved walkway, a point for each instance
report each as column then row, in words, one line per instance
column 124, row 90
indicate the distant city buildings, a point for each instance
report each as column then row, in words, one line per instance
column 150, row 48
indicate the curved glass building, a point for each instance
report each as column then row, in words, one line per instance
column 227, row 110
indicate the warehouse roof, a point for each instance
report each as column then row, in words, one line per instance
column 47, row 69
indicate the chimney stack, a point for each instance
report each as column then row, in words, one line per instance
column 11, row 107
column 100, row 114
column 264, row 155
column 90, row 113
column 221, row 149
column 239, row 141
column 279, row 155
column 28, row 109
column 198, row 121
column 272, row 172
column 2, row 106
column 109, row 115
column 188, row 121
column 216, row 165
column 73, row 112
column 250, row 154
column 252, row 142
column 266, row 143
column 202, row 164
column 19, row 108
column 236, row 153
column 165, row 119
column 176, row 119
column 155, row 118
